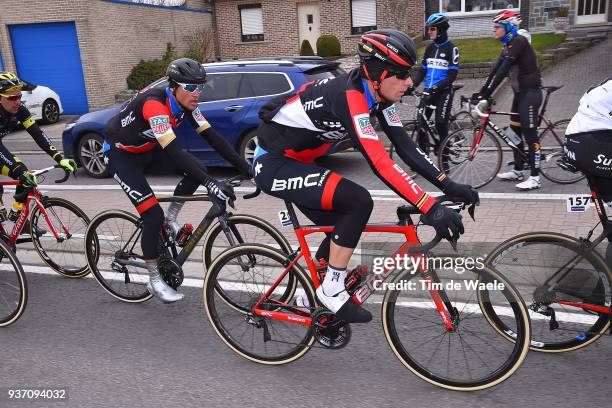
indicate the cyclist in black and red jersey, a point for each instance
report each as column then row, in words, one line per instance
column 12, row 113
column 519, row 60
column 296, row 130
column 141, row 137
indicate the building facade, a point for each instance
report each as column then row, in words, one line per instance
column 258, row 28
column 472, row 18
column 85, row 49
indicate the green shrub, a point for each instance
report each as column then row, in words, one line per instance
column 328, row 46
column 306, row 48
column 562, row 11
column 148, row 71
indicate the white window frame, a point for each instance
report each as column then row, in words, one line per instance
column 353, row 26
column 472, row 13
column 242, row 8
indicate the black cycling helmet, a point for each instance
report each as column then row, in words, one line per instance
column 186, row 71
column 9, row 82
column 385, row 52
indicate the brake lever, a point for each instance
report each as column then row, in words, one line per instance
column 472, row 211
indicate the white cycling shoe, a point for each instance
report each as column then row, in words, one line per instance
column 162, row 291
column 344, row 307
column 511, row 175
column 529, row 184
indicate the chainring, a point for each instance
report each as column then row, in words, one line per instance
column 171, row 272
column 329, row 331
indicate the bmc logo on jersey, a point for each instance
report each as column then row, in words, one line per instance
column 308, row 105
column 364, row 127
column 160, row 124
column 128, row 119
column 296, row 183
column 409, row 179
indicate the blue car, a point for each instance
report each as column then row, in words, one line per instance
column 230, row 101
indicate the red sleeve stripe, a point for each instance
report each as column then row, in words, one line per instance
column 146, row 204
column 153, row 108
column 327, row 198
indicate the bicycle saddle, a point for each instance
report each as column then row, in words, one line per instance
column 551, row 89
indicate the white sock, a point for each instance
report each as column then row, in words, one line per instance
column 518, row 172
column 536, row 178
column 334, row 281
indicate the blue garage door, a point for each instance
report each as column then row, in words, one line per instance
column 49, row 55
column 1, row 65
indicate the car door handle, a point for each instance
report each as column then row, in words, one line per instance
column 233, row 108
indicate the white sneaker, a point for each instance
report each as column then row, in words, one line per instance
column 530, row 184
column 512, row 175
column 161, row 290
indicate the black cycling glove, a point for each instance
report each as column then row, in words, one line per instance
column 219, row 189
column 464, row 191
column 445, row 221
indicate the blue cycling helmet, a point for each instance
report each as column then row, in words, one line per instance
column 437, row 20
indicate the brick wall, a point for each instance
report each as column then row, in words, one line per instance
column 281, row 36
column 112, row 37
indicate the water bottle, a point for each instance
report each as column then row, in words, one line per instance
column 184, row 234
column 354, row 278
column 513, row 138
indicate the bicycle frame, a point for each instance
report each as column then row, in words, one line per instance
column 406, row 228
column 34, row 197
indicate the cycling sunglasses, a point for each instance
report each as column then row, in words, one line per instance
column 191, row 88
column 12, row 97
column 400, row 74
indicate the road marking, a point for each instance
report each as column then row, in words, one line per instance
column 377, row 195
column 586, row 319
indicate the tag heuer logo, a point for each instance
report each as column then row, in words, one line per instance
column 159, row 120
column 364, row 127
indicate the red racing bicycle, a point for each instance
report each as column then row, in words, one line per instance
column 262, row 304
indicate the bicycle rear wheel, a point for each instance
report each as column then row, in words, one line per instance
column 64, row 255
column 551, row 142
column 550, row 268
column 113, row 239
column 13, row 287
column 473, row 356
column 477, row 170
column 246, row 273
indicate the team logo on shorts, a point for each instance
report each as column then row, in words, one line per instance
column 160, row 124
column 364, row 127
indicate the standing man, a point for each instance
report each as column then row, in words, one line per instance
column 439, row 68
column 519, row 60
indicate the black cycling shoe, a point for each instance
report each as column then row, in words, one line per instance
column 344, row 307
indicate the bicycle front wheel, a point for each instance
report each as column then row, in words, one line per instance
column 13, row 286
column 246, row 273
column 112, row 242
column 63, row 254
column 472, row 355
column 551, row 142
column 461, row 120
column 565, row 289
column 468, row 165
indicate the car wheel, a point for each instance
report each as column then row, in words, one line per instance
column 50, row 111
column 248, row 145
column 91, row 155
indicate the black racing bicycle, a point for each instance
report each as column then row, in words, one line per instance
column 114, row 251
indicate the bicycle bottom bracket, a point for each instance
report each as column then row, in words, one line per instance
column 328, row 330
column 171, row 272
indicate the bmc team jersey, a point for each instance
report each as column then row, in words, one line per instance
column 437, row 61
column 148, row 119
column 595, row 110
column 304, row 127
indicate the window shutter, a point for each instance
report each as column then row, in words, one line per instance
column 252, row 21
column 363, row 13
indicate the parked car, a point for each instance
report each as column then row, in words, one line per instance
column 230, row 101
column 42, row 102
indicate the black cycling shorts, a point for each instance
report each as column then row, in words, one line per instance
column 591, row 153
column 527, row 104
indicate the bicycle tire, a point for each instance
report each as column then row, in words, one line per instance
column 461, row 120
column 452, row 158
column 214, row 309
column 11, row 310
column 78, row 268
column 98, row 244
column 412, row 357
column 552, row 150
column 560, row 248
